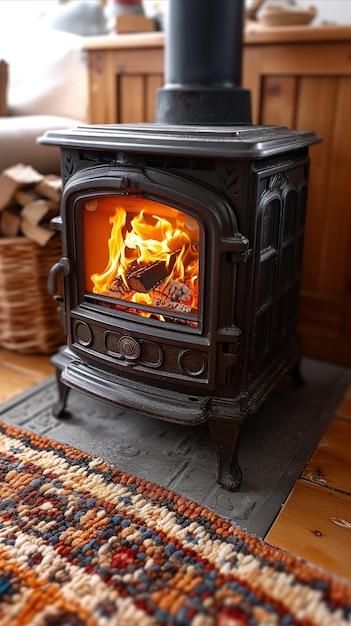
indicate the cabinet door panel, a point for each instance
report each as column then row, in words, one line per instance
column 315, row 108
column 337, row 236
column 102, row 89
column 131, row 98
column 325, row 303
column 278, row 100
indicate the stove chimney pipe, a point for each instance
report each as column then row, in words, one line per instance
column 203, row 56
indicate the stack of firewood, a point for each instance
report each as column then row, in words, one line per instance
column 28, row 201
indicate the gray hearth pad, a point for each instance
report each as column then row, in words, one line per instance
column 275, row 446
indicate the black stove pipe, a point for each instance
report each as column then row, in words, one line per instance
column 203, row 57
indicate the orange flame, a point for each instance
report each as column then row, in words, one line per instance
column 162, row 245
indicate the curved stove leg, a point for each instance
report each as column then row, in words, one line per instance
column 226, row 437
column 59, row 409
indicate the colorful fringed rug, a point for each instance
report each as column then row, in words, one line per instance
column 82, row 544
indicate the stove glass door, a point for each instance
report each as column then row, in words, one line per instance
column 142, row 257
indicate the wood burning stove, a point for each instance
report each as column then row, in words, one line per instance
column 182, row 247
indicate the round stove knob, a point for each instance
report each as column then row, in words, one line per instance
column 129, row 348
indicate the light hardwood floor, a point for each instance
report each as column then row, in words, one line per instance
column 315, row 521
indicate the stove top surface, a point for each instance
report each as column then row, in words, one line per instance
column 250, row 141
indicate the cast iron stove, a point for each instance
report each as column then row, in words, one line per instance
column 182, row 246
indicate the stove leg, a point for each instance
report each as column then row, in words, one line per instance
column 226, row 436
column 58, row 409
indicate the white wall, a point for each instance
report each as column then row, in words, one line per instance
column 335, row 11
column 18, row 12
column 330, row 11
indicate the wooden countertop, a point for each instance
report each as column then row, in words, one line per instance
column 254, row 33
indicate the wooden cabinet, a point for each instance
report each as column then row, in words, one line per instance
column 124, row 73
column 300, row 78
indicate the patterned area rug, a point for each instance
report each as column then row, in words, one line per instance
column 83, row 544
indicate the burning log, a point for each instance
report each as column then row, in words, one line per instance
column 146, row 278
column 171, row 296
column 118, row 287
column 173, row 292
column 176, row 291
column 173, row 306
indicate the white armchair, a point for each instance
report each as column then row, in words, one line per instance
column 47, row 90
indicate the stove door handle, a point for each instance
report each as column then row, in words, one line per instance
column 63, row 266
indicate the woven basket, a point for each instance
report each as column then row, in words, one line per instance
column 29, row 321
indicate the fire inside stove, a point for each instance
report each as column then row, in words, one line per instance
column 142, row 256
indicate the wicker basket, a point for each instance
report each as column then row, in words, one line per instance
column 29, row 321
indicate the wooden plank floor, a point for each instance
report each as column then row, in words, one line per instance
column 315, row 521
column 19, row 372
